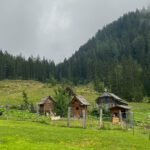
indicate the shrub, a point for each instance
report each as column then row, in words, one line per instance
column 52, row 81
column 62, row 101
column 14, row 107
column 95, row 112
column 25, row 100
column 32, row 108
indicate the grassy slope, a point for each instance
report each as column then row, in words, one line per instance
column 31, row 135
column 11, row 90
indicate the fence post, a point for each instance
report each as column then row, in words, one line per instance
column 120, row 115
column 7, row 110
column 84, row 118
column 127, row 120
column 68, row 119
column 37, row 112
column 133, row 122
column 100, row 116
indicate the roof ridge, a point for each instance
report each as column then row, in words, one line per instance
column 82, row 100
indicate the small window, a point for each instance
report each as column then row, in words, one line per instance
column 77, row 108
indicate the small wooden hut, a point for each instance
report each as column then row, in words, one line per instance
column 78, row 104
column 114, row 112
column 46, row 105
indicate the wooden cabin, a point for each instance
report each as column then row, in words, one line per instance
column 46, row 105
column 115, row 104
column 78, row 104
column 110, row 100
column 114, row 112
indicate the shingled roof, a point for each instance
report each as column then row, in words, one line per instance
column 43, row 100
column 82, row 100
column 107, row 94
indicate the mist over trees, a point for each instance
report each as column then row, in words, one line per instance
column 117, row 57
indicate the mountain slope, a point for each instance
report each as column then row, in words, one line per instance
column 118, row 56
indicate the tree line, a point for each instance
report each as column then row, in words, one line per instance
column 17, row 67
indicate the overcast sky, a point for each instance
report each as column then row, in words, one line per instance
column 56, row 28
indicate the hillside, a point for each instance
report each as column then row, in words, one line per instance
column 11, row 91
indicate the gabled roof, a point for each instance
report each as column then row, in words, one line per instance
column 43, row 100
column 121, row 106
column 82, row 100
column 107, row 94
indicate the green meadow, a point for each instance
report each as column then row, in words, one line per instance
column 25, row 133
column 11, row 91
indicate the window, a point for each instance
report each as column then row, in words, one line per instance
column 77, row 108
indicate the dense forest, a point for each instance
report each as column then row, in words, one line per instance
column 117, row 57
column 18, row 67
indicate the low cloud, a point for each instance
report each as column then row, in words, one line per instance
column 56, row 28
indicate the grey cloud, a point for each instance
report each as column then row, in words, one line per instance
column 56, row 28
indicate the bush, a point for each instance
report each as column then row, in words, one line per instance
column 62, row 101
column 52, row 81
column 14, row 107
column 32, row 108
column 2, row 110
column 95, row 112
column 25, row 100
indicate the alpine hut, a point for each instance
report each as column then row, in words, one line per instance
column 78, row 104
column 46, row 105
column 113, row 103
